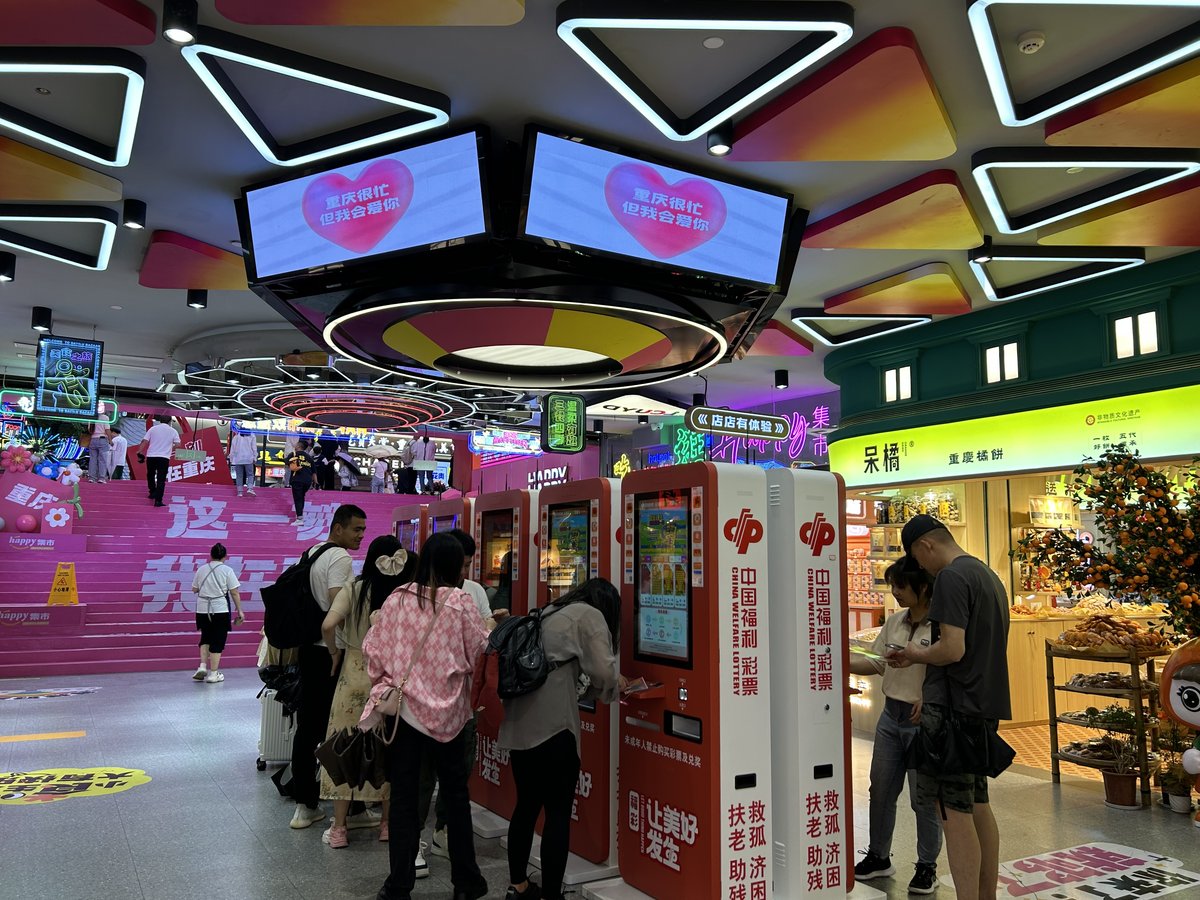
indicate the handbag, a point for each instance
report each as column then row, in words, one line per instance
column 353, row 756
column 954, row 744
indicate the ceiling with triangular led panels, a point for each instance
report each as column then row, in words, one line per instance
column 942, row 156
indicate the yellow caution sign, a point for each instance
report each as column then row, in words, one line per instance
column 64, row 592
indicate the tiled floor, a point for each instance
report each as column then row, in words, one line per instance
column 209, row 825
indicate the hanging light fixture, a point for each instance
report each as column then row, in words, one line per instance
column 781, row 379
column 133, row 214
column 643, row 420
column 179, row 21
column 312, row 374
column 43, row 319
column 197, row 299
column 8, row 266
column 720, row 140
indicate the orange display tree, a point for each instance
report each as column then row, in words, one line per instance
column 1146, row 542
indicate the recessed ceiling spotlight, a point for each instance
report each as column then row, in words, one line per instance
column 233, row 378
column 713, row 43
column 1074, row 170
column 410, row 383
column 479, row 395
column 43, row 91
column 116, row 306
column 179, row 21
column 312, row 374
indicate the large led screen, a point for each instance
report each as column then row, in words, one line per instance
column 664, row 609
column 402, row 200
column 68, row 377
column 594, row 198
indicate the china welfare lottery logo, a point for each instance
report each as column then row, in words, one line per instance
column 357, row 214
column 666, row 219
column 818, row 534
column 743, row 531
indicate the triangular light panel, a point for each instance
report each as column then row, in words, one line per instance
column 838, row 331
column 1129, row 68
column 67, row 215
column 1149, row 168
column 1090, row 262
column 422, row 109
column 59, row 61
column 825, row 26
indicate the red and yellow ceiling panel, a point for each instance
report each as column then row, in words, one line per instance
column 373, row 12
column 929, row 212
column 1162, row 110
column 877, row 101
column 29, row 175
column 776, row 339
column 176, row 261
column 77, row 23
column 568, row 335
column 1164, row 217
column 931, row 290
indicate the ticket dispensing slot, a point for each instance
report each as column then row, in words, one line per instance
column 681, row 726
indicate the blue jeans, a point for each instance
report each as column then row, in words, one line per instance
column 889, row 766
column 243, row 474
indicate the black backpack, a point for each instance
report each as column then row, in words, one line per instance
column 292, row 615
column 517, row 643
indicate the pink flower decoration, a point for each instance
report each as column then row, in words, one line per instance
column 16, row 459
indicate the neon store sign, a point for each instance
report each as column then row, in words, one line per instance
column 807, row 441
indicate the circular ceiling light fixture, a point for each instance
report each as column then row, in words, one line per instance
column 179, row 21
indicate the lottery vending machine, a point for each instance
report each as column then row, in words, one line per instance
column 578, row 536
column 506, row 564
column 446, row 515
column 694, row 803
column 810, row 722
column 410, row 524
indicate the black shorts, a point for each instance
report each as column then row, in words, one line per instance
column 213, row 630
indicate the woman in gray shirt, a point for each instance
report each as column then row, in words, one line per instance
column 541, row 729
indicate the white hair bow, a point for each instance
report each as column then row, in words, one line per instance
column 394, row 564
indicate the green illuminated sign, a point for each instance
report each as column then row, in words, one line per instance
column 21, row 403
column 564, row 418
column 1158, row 425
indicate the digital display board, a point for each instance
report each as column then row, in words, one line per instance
column 564, row 423
column 506, row 441
column 68, row 377
column 663, row 607
column 567, row 566
column 408, row 532
column 589, row 197
column 399, row 201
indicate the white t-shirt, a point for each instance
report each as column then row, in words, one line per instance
column 380, row 468
column 119, row 446
column 479, row 595
column 161, row 440
column 242, row 450
column 332, row 570
column 212, row 580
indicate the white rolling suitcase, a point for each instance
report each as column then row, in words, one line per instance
column 275, row 733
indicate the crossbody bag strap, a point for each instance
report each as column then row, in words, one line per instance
column 407, row 672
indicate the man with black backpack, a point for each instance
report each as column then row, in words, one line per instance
column 329, row 568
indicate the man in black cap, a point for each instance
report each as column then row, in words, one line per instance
column 967, row 671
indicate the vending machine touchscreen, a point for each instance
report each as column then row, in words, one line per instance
column 566, row 560
column 443, row 523
column 663, row 599
column 409, row 533
column 496, row 557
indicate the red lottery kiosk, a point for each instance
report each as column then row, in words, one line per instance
column 446, row 515
column 578, row 533
column 506, row 561
column 411, row 525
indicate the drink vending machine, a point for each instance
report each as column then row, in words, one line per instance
column 506, row 564
column 733, row 776
column 579, row 538
column 410, row 524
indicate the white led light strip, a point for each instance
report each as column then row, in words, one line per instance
column 102, row 253
column 979, row 270
column 913, row 322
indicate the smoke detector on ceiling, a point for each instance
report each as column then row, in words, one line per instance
column 1031, row 42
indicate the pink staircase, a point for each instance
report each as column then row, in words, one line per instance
column 135, row 576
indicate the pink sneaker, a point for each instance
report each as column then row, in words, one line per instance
column 337, row 837
column 383, row 832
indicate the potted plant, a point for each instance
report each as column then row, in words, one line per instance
column 1178, row 785
column 1147, row 537
column 1121, row 778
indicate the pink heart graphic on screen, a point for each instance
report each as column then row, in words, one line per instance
column 666, row 219
column 358, row 214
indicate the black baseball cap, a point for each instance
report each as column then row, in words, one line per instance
column 916, row 528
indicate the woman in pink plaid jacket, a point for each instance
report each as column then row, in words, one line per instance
column 425, row 641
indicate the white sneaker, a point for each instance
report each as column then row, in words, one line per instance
column 368, row 818
column 303, row 816
column 201, row 674
column 214, row 678
column 440, row 846
column 419, row 863
column 299, row 520
column 250, row 493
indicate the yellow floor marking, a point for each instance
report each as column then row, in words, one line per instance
column 48, row 736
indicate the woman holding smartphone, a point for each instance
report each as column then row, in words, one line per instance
column 898, row 726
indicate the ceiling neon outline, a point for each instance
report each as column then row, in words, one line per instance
column 578, row 18
column 1129, row 68
column 431, row 106
column 1145, row 164
column 801, row 316
column 1096, row 262
column 69, row 213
